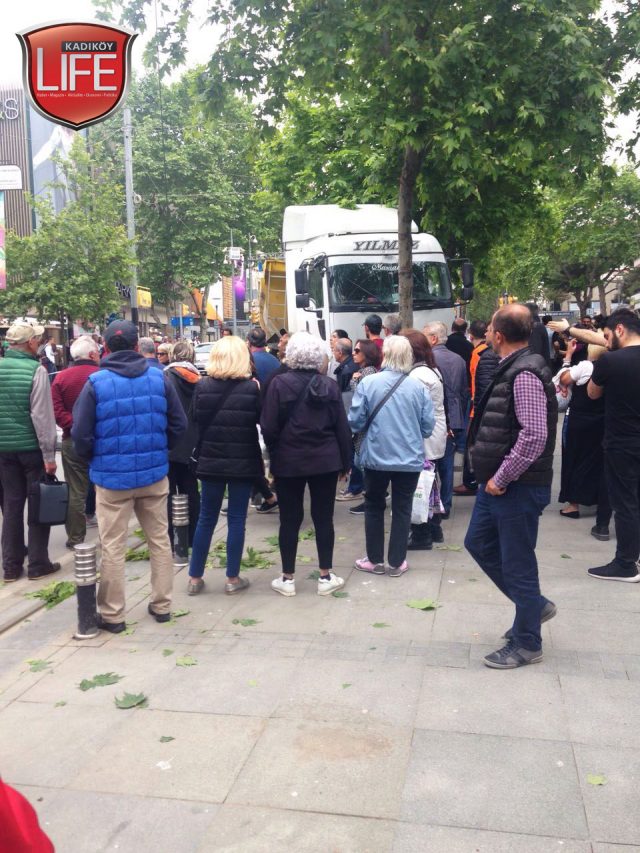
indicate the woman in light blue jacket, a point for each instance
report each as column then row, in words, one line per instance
column 395, row 413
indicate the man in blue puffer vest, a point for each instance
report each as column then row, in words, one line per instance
column 125, row 420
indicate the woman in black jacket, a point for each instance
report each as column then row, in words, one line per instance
column 306, row 430
column 226, row 406
column 184, row 376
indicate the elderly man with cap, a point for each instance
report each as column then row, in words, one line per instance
column 126, row 419
column 27, row 449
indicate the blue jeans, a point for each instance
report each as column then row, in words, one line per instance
column 502, row 539
column 356, row 480
column 444, row 466
column 211, row 501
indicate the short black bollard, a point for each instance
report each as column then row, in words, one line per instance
column 180, row 517
column 86, row 579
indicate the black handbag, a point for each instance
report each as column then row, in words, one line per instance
column 48, row 501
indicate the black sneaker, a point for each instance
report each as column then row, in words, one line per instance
column 357, row 510
column 42, row 573
column 600, row 532
column 111, row 627
column 548, row 612
column 512, row 656
column 416, row 543
column 159, row 617
column 613, row 572
column 437, row 535
column 265, row 507
column 12, row 577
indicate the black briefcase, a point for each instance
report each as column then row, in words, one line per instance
column 48, row 501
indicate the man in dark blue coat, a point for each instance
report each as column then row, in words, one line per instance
column 125, row 420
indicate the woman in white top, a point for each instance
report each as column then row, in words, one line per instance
column 424, row 369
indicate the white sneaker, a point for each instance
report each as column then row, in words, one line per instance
column 284, row 586
column 329, row 584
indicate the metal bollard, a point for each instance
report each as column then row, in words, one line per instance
column 180, row 515
column 86, row 579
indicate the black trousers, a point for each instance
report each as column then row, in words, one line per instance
column 622, row 469
column 183, row 482
column 290, row 491
column 17, row 472
column 403, row 485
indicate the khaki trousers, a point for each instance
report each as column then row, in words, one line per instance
column 113, row 508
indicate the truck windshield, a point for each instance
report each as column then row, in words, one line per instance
column 367, row 285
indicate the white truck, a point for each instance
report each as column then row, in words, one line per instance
column 341, row 265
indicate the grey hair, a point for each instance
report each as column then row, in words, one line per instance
column 304, row 352
column 146, row 345
column 397, row 354
column 438, row 329
column 344, row 345
column 393, row 323
column 182, row 351
column 83, row 346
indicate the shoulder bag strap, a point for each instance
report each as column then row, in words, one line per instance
column 227, row 391
column 383, row 401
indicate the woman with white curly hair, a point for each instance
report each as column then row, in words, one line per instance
column 305, row 428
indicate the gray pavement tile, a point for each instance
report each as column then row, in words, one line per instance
column 444, row 654
column 307, row 612
column 200, row 764
column 475, row 623
column 421, row 581
column 612, row 809
column 340, row 768
column 244, row 829
column 245, row 685
column 119, row 822
column 578, row 591
column 589, row 711
column 614, row 848
column 499, row 783
column 416, row 838
column 43, row 745
column 521, row 703
column 590, row 631
column 331, row 690
column 357, row 618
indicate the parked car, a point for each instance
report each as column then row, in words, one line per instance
column 202, row 356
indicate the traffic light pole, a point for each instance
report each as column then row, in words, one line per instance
column 131, row 222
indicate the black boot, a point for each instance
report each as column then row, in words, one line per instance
column 420, row 538
column 435, row 527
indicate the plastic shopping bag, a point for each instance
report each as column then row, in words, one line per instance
column 420, row 505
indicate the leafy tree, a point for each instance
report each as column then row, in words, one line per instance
column 68, row 267
column 460, row 108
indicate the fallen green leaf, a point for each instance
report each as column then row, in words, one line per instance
column 54, row 593
column 372, row 648
column 130, row 700
column 186, row 660
column 449, row 547
column 135, row 578
column 139, row 534
column 565, row 556
column 178, row 613
column 166, row 739
column 302, row 559
column 593, row 779
column 340, row 593
column 346, row 684
column 38, row 665
column 167, row 652
column 472, row 580
column 423, row 604
column 60, row 704
column 255, row 559
column 128, row 631
column 100, row 681
column 342, row 538
column 272, row 540
column 137, row 555
column 246, row 623
column 307, row 534
column 314, row 575
column 381, row 625
column 252, row 683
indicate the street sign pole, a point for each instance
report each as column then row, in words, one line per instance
column 131, row 224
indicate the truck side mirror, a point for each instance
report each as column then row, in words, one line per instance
column 468, row 275
column 302, row 299
column 302, row 282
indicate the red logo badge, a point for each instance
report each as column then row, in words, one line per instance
column 76, row 74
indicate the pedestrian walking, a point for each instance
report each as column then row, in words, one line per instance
column 305, row 428
column 65, row 390
column 616, row 375
column 147, row 348
column 226, row 408
column 125, row 421
column 512, row 440
column 458, row 342
column 394, row 414
column 27, row 450
column 183, row 375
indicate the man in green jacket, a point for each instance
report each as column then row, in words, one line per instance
column 27, row 449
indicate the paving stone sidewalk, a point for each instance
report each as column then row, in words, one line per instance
column 337, row 724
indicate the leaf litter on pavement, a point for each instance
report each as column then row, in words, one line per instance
column 130, row 700
column 186, row 660
column 246, row 623
column 54, row 593
column 594, row 779
column 423, row 604
column 102, row 680
column 38, row 665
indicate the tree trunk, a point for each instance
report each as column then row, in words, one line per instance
column 408, row 178
column 602, row 296
column 204, row 323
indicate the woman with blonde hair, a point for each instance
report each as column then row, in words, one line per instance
column 226, row 408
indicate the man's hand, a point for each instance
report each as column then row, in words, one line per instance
column 494, row 490
column 558, row 325
column 50, row 468
column 571, row 348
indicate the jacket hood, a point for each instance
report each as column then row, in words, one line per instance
column 318, row 391
column 185, row 370
column 127, row 363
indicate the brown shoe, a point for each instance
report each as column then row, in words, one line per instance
column 463, row 492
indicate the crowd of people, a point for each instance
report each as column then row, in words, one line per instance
column 382, row 415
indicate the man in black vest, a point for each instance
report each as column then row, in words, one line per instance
column 512, row 440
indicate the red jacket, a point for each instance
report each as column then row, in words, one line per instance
column 19, row 828
column 66, row 389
